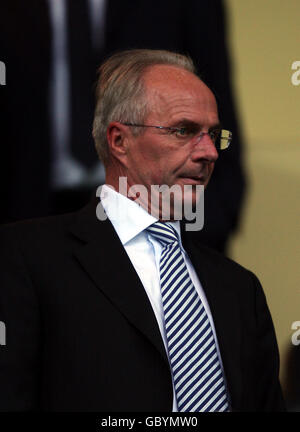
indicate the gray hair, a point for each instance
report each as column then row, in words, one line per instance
column 120, row 91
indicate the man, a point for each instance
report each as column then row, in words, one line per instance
column 128, row 313
column 46, row 157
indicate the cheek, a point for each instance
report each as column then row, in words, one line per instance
column 157, row 174
column 156, row 162
column 210, row 169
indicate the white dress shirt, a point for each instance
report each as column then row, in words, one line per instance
column 130, row 221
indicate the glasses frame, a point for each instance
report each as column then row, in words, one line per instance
column 180, row 129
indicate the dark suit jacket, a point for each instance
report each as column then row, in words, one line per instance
column 81, row 334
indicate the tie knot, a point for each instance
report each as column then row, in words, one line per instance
column 163, row 232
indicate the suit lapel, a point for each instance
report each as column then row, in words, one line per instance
column 105, row 260
column 225, row 314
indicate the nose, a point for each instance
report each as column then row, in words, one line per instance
column 204, row 149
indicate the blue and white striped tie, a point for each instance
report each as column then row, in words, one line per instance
column 197, row 374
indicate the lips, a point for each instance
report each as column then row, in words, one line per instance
column 188, row 179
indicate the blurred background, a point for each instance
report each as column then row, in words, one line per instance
column 244, row 51
column 265, row 40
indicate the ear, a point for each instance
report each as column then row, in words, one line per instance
column 117, row 138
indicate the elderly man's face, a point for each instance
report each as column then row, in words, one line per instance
column 177, row 98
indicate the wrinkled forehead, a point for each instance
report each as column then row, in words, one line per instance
column 173, row 89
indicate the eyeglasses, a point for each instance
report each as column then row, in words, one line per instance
column 220, row 137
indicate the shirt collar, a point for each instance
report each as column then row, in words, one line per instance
column 128, row 218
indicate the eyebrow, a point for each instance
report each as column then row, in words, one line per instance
column 188, row 122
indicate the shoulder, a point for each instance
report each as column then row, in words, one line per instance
column 39, row 239
column 33, row 230
column 223, row 262
column 222, row 271
column 215, row 259
column 54, row 234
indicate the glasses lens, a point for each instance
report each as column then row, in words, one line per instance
column 225, row 139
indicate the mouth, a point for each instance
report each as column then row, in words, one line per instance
column 193, row 180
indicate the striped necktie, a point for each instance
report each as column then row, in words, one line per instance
column 197, row 374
